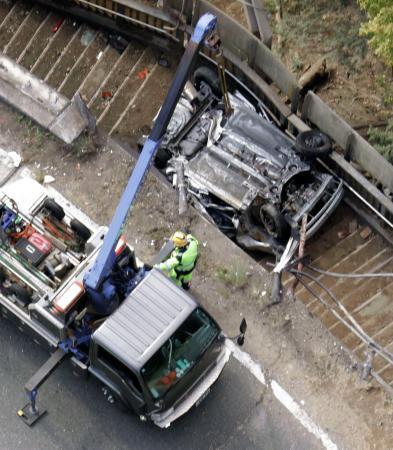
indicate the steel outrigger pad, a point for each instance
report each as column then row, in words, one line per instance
column 30, row 413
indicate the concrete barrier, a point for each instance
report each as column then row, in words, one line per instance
column 40, row 102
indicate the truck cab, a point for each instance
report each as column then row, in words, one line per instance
column 160, row 352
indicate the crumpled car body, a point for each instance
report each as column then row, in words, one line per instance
column 244, row 173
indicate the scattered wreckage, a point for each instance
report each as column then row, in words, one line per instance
column 247, row 176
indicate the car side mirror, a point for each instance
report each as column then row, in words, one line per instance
column 240, row 337
column 242, row 329
column 243, row 326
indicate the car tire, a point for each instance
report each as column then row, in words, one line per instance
column 54, row 209
column 21, row 293
column 80, row 230
column 210, row 77
column 274, row 222
column 313, row 144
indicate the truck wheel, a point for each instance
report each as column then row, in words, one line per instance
column 54, row 209
column 313, row 144
column 273, row 221
column 3, row 276
column 21, row 293
column 210, row 77
column 80, row 230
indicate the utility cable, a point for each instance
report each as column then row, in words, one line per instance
column 355, row 327
column 350, row 275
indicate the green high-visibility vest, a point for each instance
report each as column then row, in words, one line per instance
column 182, row 260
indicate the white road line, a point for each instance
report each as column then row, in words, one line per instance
column 281, row 395
column 246, row 361
column 295, row 409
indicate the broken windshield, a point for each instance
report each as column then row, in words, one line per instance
column 179, row 353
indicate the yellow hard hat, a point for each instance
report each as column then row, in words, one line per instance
column 179, row 239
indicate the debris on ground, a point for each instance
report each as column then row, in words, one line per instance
column 87, row 37
column 353, row 226
column 366, row 232
column 106, row 94
column 57, row 25
column 314, row 75
column 48, row 179
column 143, row 74
column 164, row 62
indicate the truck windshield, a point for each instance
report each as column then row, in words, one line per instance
column 179, row 353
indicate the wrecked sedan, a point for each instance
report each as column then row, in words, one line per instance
column 252, row 180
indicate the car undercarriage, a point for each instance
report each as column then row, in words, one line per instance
column 248, row 177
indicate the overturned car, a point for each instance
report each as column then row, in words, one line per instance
column 252, row 180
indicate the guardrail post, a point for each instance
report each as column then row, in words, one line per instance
column 258, row 22
column 179, row 5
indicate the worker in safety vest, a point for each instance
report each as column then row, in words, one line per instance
column 182, row 260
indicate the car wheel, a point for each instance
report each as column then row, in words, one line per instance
column 210, row 77
column 80, row 230
column 54, row 209
column 273, row 221
column 313, row 144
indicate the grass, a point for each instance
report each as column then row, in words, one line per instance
column 382, row 140
column 385, row 82
column 36, row 134
column 297, row 64
column 39, row 176
column 233, row 276
column 84, row 146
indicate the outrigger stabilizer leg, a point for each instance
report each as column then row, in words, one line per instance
column 30, row 413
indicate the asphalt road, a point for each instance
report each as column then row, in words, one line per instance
column 238, row 413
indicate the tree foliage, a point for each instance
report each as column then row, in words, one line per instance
column 379, row 28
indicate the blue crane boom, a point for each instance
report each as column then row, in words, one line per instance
column 96, row 277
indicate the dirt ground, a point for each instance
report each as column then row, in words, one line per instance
column 292, row 347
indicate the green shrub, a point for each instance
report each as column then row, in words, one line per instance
column 379, row 28
column 382, row 140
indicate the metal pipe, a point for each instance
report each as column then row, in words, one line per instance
column 181, row 186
